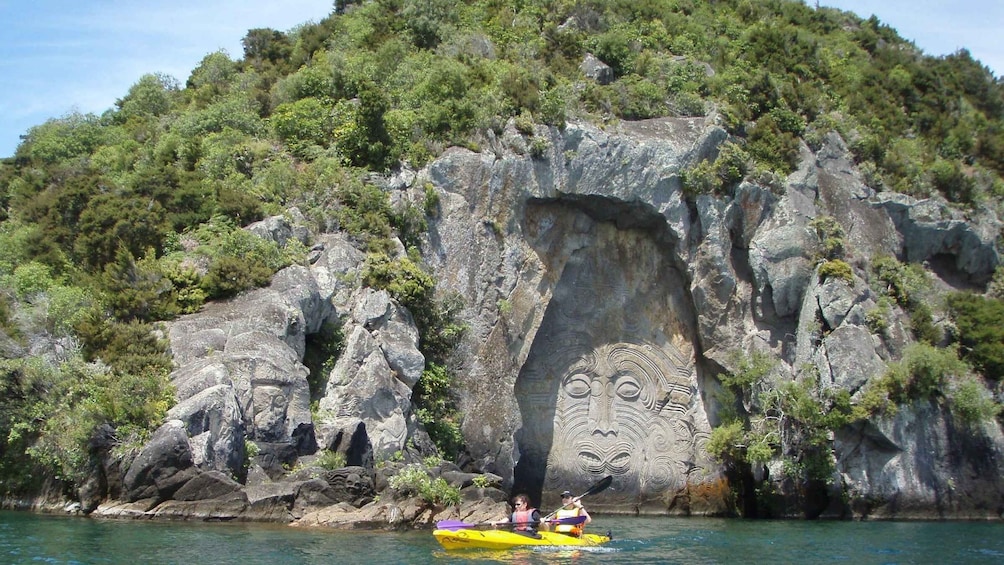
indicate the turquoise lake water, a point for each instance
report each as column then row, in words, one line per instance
column 32, row 538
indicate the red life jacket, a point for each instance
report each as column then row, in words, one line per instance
column 523, row 520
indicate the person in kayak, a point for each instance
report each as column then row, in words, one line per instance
column 570, row 508
column 524, row 520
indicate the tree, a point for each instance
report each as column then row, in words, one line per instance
column 60, row 139
column 980, row 322
column 151, row 96
column 212, row 77
column 266, row 47
column 112, row 221
column 137, row 290
column 302, row 124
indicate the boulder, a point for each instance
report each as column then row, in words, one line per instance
column 367, row 399
column 162, row 467
column 596, row 70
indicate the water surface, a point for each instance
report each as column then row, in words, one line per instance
column 32, row 538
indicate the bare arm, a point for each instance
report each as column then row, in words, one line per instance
column 582, row 512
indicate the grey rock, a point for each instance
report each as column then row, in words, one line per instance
column 163, row 466
column 208, row 485
column 931, row 229
column 212, row 419
column 578, row 267
column 596, row 70
column 282, row 229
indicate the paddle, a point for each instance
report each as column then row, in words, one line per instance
column 600, row 486
column 458, row 525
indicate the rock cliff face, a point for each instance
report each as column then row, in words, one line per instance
column 603, row 304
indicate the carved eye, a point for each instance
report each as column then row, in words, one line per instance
column 628, row 388
column 577, row 385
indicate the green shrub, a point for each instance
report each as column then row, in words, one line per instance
column 60, row 139
column 981, row 333
column 7, row 323
column 831, row 237
column 720, row 176
column 922, row 373
column 554, row 104
column 188, row 293
column 614, row 48
column 322, row 351
column 415, row 480
column 431, row 202
column 59, row 406
column 68, row 306
column 971, row 402
column 950, row 180
column 238, row 204
column 437, row 411
column 750, row 370
column 785, row 421
column 524, row 123
column 726, row 441
column 761, row 450
column 481, row 481
column 111, row 221
column 638, row 98
column 700, row 179
column 402, row 278
column 137, row 290
column 773, row 147
column 903, row 282
column 922, row 325
column 127, row 347
column 31, row 278
column 996, row 287
column 539, row 147
column 877, row 319
column 228, row 276
column 331, row 460
column 365, row 211
column 303, row 124
column 836, row 269
column 251, row 450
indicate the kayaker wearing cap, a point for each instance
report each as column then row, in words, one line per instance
column 524, row 519
column 570, row 508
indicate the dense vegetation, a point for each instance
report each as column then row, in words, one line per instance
column 112, row 223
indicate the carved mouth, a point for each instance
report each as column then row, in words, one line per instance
column 614, row 459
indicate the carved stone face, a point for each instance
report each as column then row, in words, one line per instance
column 610, row 385
column 609, row 402
column 616, row 409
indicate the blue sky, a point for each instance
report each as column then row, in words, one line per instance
column 940, row 27
column 60, row 56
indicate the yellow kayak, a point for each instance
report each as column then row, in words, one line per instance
column 503, row 539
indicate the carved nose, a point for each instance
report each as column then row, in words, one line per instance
column 601, row 409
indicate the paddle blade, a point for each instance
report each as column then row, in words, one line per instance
column 453, row 525
column 600, row 486
column 570, row 521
